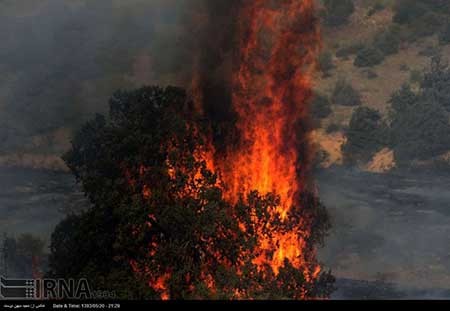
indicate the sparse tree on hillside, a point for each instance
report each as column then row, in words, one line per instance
column 344, row 94
column 420, row 124
column 365, row 136
column 436, row 82
column 368, row 57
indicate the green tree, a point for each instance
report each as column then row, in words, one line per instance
column 421, row 18
column 325, row 63
column 368, row 57
column 420, row 131
column 320, row 106
column 403, row 99
column 365, row 136
column 444, row 34
column 159, row 224
column 419, row 124
column 344, row 94
column 406, row 11
column 436, row 82
column 387, row 42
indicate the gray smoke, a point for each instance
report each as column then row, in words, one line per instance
column 61, row 60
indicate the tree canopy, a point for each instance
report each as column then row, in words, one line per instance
column 420, row 124
column 159, row 225
column 365, row 135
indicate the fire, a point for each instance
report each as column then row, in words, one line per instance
column 272, row 79
column 272, row 85
column 160, row 286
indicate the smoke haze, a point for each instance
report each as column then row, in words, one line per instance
column 62, row 59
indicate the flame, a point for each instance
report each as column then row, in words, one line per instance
column 160, row 285
column 272, row 86
column 278, row 45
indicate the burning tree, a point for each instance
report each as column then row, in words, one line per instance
column 159, row 212
column 190, row 216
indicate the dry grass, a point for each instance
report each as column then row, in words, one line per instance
column 391, row 74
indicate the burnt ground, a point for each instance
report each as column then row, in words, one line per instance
column 34, row 201
column 390, row 236
column 392, row 231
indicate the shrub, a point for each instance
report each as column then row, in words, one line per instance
column 402, row 99
column 337, row 12
column 421, row 17
column 375, row 8
column 368, row 57
column 420, row 121
column 436, row 82
column 407, row 11
column 420, row 131
column 325, row 63
column 320, row 106
column 348, row 50
column 429, row 24
column 365, row 135
column 444, row 34
column 387, row 42
column 438, row 6
column 430, row 51
column 332, row 128
column 404, row 67
column 344, row 94
column 415, row 76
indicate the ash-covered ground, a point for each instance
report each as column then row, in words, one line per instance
column 35, row 201
column 389, row 239
column 392, row 230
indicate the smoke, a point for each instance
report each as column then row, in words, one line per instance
column 62, row 59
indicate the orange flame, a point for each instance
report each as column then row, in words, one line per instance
column 272, row 85
column 161, row 286
column 278, row 46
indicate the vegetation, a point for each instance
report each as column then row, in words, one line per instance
column 378, row 6
column 332, row 128
column 344, row 94
column 413, row 21
column 158, row 213
column 420, row 131
column 368, row 57
column 365, row 136
column 320, row 106
column 407, row 11
column 325, row 63
column 420, row 121
column 387, row 42
column 418, row 126
column 421, row 18
column 350, row 49
column 444, row 35
column 415, row 77
column 436, row 83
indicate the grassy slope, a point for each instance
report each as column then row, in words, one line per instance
column 394, row 71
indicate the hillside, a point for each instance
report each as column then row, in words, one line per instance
column 99, row 47
column 375, row 83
